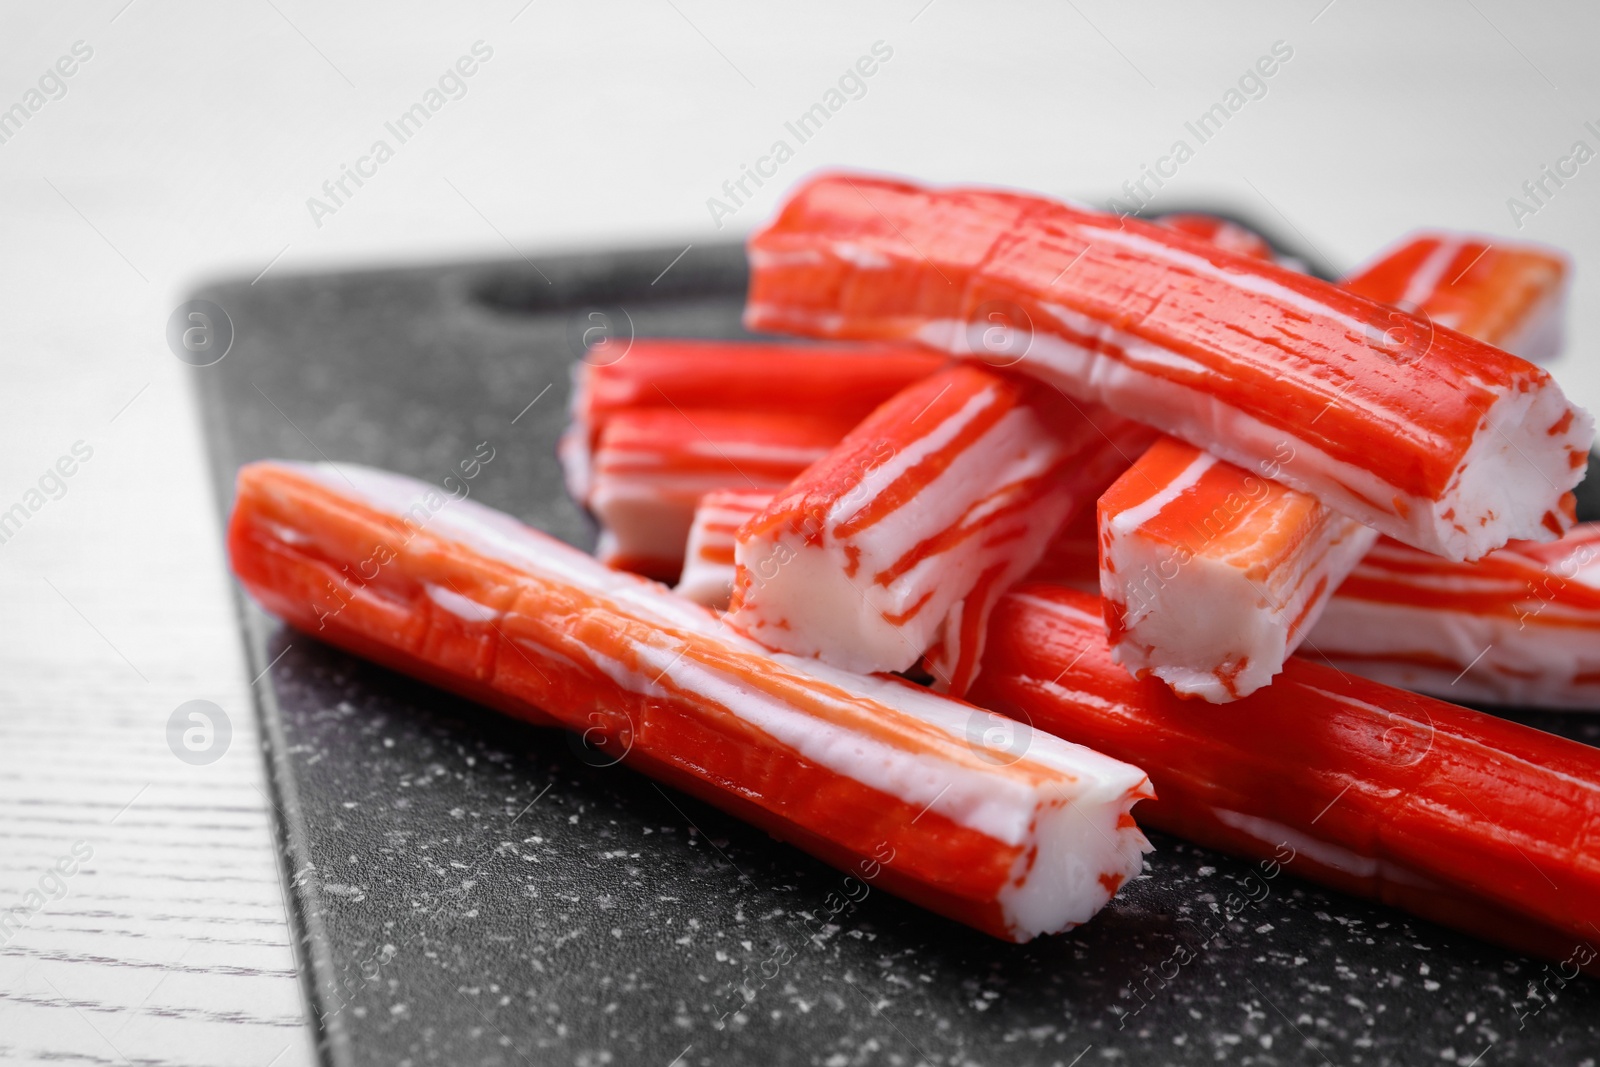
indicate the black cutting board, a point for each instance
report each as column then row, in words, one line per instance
column 467, row 889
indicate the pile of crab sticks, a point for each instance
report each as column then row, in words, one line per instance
column 1023, row 542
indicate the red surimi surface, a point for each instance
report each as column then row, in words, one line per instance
column 1439, row 440
column 1212, row 574
column 881, row 778
column 840, row 383
column 900, row 539
column 652, row 465
column 1451, row 814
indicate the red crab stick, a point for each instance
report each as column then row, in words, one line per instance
column 1211, row 574
column 840, row 383
column 872, row 774
column 708, row 569
column 837, row 384
column 1220, row 232
column 1454, row 815
column 1511, row 295
column 755, row 377
column 1441, row 441
column 654, row 464
column 1520, row 626
column 898, row 541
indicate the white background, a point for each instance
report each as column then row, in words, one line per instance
column 187, row 146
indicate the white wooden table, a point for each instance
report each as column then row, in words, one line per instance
column 189, row 141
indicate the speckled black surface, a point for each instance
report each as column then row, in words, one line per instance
column 468, row 889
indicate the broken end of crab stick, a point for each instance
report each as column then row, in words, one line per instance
column 1510, row 294
column 1438, row 439
column 902, row 535
column 1454, row 815
column 898, row 786
column 1211, row 575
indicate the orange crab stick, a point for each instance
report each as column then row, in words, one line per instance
column 899, row 540
column 1213, row 574
column 1210, row 574
column 653, row 465
column 839, row 383
column 1520, row 626
column 1451, row 814
column 1510, row 294
column 1439, row 440
column 872, row 774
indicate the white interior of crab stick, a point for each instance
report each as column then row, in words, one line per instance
column 1211, row 575
column 944, row 496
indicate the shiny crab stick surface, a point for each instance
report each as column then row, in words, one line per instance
column 1229, row 236
column 653, row 465
column 1439, row 440
column 1508, row 294
column 839, row 383
column 1213, row 575
column 836, row 380
column 1519, row 627
column 1451, row 814
column 872, row 774
column 898, row 541
column 1210, row 575
column 708, row 567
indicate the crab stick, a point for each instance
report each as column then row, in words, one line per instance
column 1454, row 815
column 837, row 382
column 898, row 542
column 1519, row 627
column 653, row 465
column 1214, row 574
column 708, row 568
column 1072, row 558
column 1210, row 574
column 1225, row 234
column 872, row 774
column 1439, row 440
column 840, row 383
column 1510, row 294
